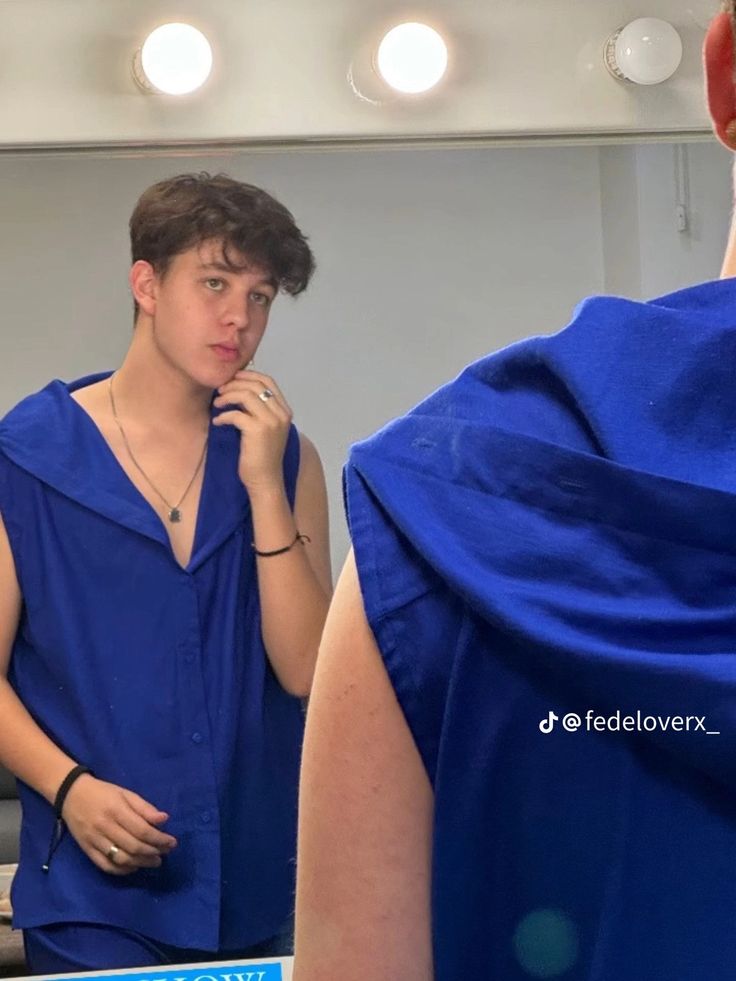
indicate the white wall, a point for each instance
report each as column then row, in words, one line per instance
column 427, row 259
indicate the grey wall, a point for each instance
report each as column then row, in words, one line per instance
column 669, row 257
column 645, row 252
column 427, row 259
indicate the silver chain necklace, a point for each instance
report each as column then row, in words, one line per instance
column 173, row 510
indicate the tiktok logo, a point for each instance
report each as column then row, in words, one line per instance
column 548, row 724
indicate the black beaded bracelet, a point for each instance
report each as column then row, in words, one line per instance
column 61, row 795
column 280, row 551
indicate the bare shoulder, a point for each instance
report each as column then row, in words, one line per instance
column 93, row 398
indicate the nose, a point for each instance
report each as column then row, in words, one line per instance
column 237, row 313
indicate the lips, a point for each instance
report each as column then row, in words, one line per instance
column 226, row 352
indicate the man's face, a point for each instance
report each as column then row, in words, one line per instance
column 209, row 319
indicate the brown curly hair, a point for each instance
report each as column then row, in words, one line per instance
column 184, row 211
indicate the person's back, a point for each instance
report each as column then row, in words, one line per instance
column 553, row 604
column 530, row 664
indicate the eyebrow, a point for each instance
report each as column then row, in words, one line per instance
column 224, row 267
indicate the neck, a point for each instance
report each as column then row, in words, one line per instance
column 729, row 260
column 149, row 387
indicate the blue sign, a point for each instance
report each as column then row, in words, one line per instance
column 207, row 972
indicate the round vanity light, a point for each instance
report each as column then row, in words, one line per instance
column 412, row 58
column 175, row 59
column 646, row 51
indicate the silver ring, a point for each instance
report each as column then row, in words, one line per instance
column 112, row 852
column 265, row 395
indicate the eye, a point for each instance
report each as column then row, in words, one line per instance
column 262, row 299
column 215, row 283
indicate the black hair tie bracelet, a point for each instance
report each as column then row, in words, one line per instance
column 61, row 795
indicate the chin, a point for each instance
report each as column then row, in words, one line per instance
column 214, row 376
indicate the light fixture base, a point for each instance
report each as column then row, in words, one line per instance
column 364, row 79
column 609, row 57
column 139, row 76
column 647, row 51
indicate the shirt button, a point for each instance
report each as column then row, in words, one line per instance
column 189, row 658
column 197, row 737
column 206, row 817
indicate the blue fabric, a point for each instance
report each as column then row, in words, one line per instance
column 155, row 677
column 555, row 530
column 62, row 947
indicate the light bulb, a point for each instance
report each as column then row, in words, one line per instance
column 647, row 51
column 412, row 58
column 175, row 59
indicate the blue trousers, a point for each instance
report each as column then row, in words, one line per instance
column 60, row 947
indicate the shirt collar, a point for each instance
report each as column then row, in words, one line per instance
column 50, row 435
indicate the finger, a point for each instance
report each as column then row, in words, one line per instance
column 104, row 864
column 270, row 384
column 251, row 399
column 147, row 811
column 139, row 838
column 119, row 865
column 236, row 418
column 141, row 818
column 251, row 423
column 122, row 859
column 261, row 381
column 119, row 848
column 130, row 843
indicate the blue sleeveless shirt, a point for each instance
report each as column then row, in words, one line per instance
column 154, row 676
column 547, row 555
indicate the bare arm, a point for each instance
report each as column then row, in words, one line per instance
column 24, row 749
column 294, row 587
column 365, row 816
column 98, row 813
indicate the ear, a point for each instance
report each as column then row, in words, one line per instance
column 718, row 57
column 144, row 285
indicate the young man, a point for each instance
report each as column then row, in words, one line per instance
column 522, row 723
column 164, row 579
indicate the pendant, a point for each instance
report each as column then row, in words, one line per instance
column 174, row 515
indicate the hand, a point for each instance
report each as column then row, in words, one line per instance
column 263, row 425
column 101, row 814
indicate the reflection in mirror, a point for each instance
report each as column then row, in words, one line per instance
column 151, row 698
column 426, row 260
